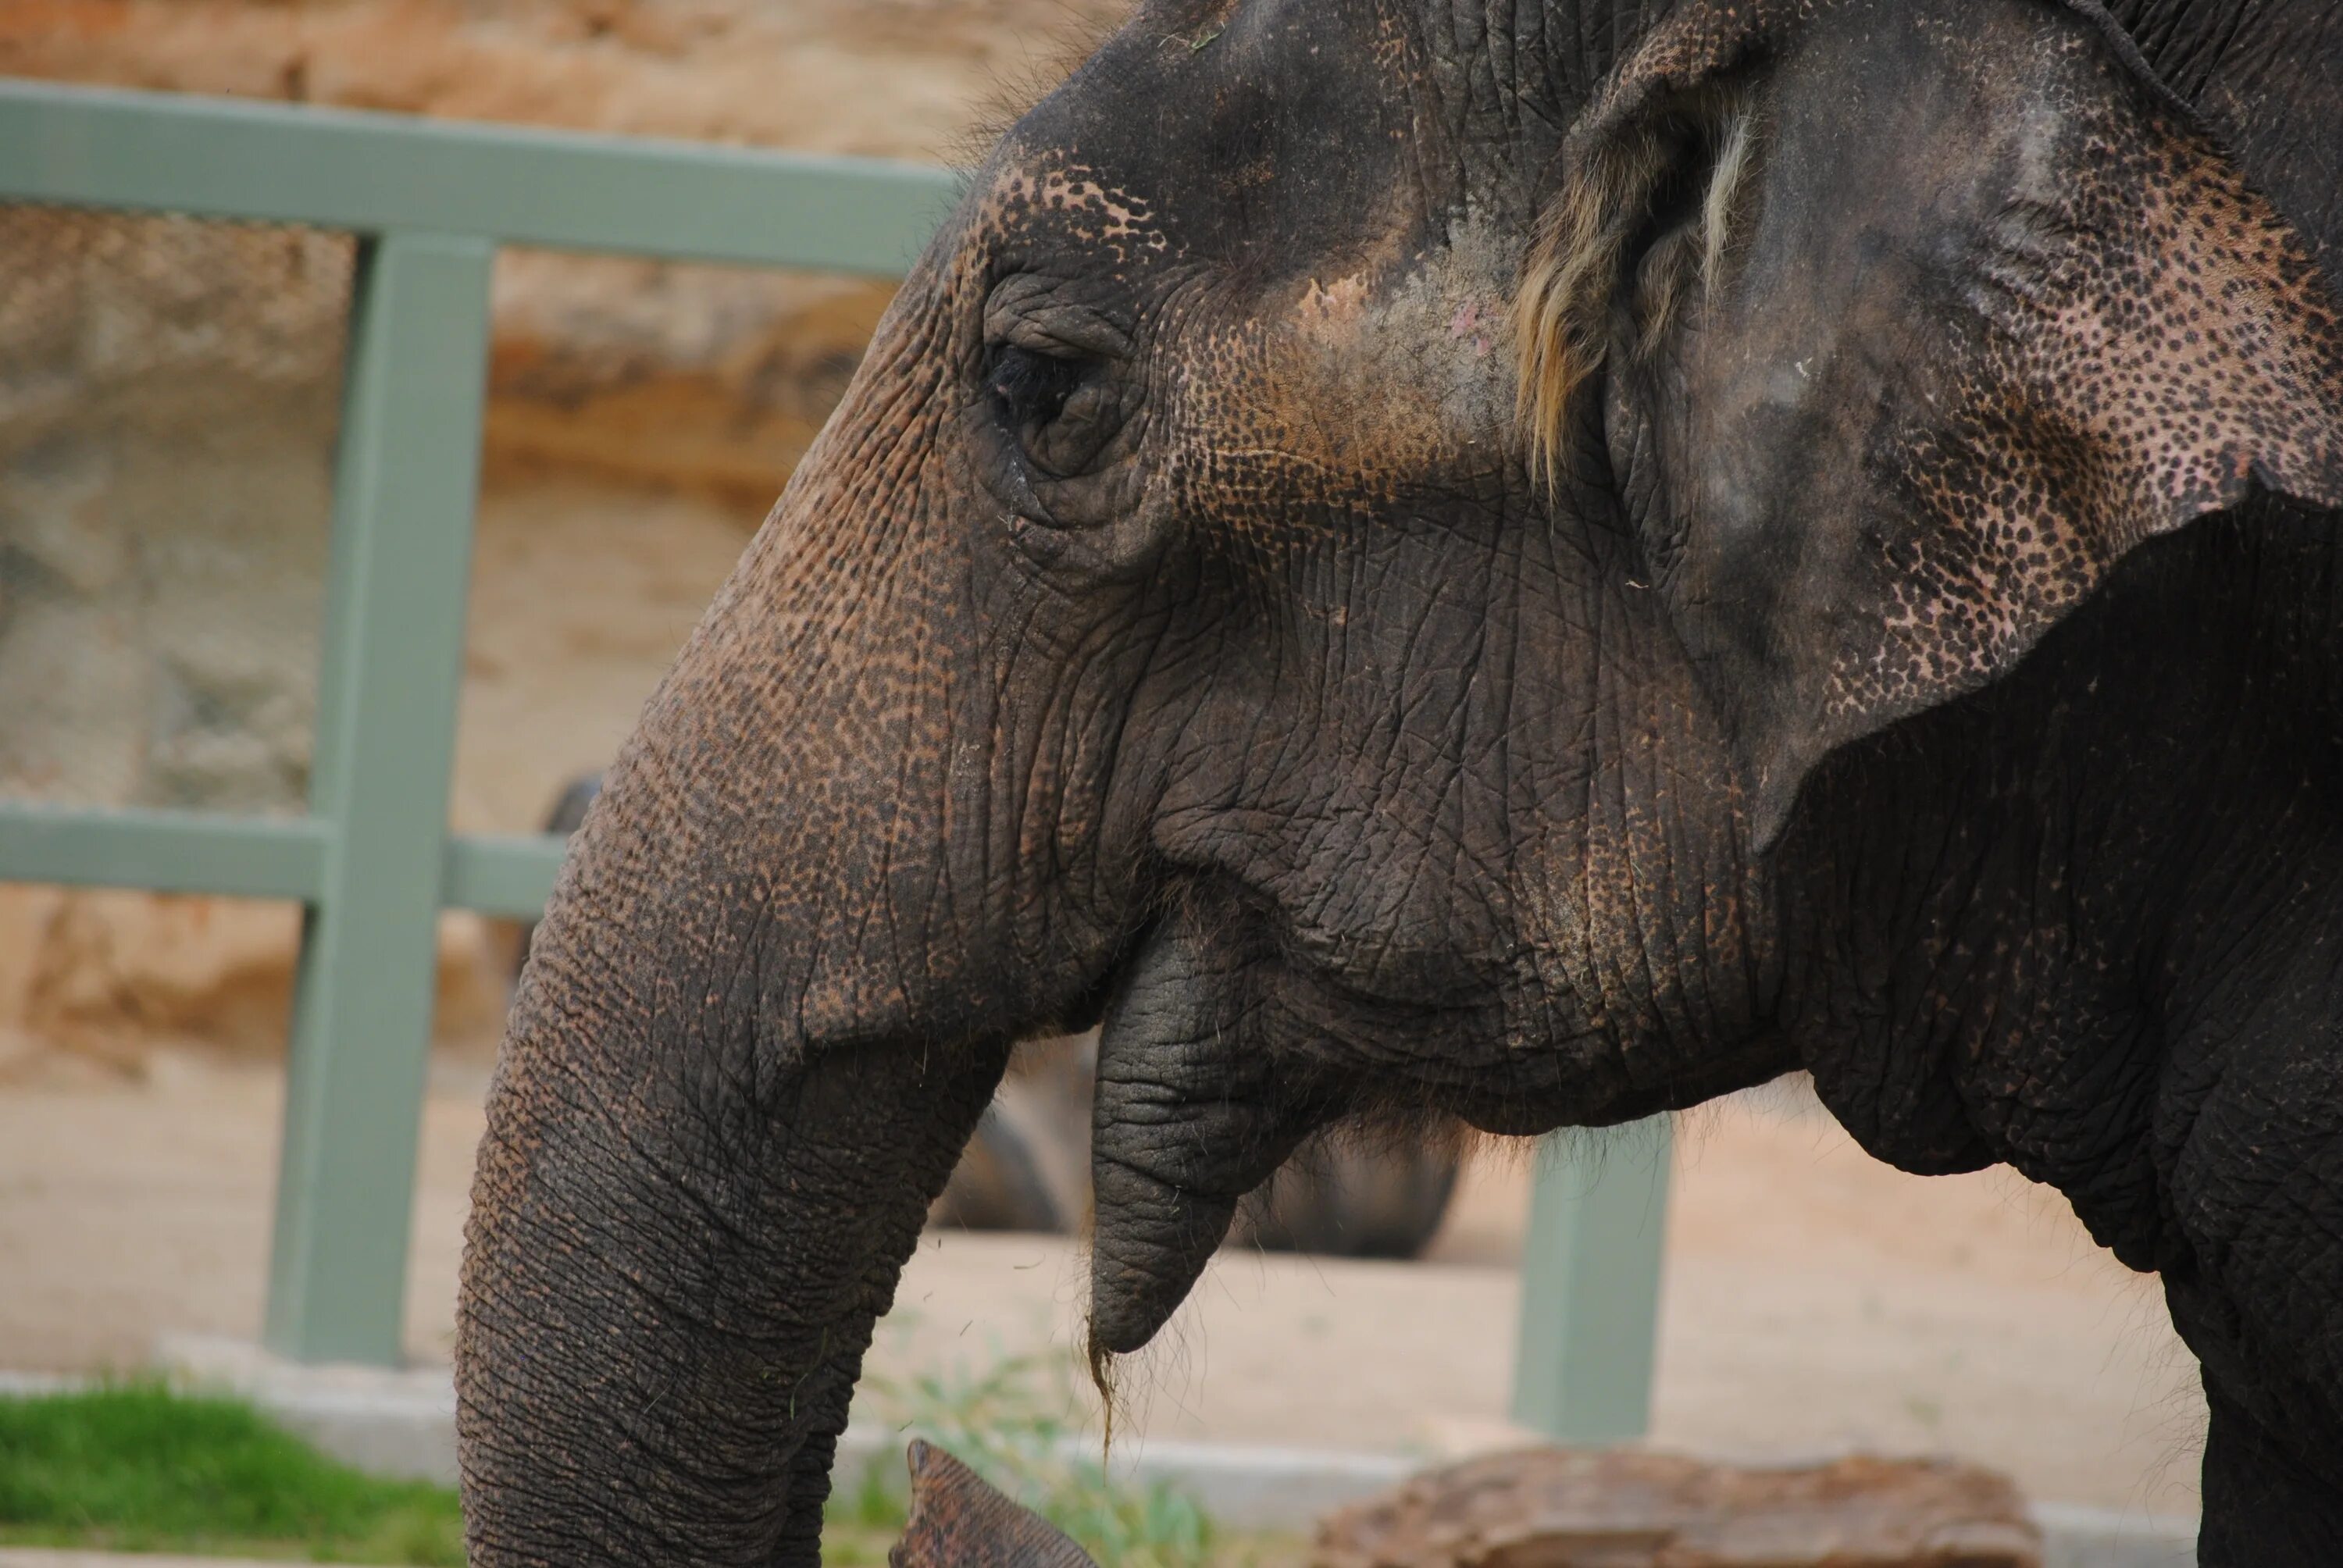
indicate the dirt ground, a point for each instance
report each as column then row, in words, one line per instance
column 1814, row 1301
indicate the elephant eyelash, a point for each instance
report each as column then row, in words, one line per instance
column 1620, row 201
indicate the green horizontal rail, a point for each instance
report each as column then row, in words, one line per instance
column 373, row 173
column 504, row 874
column 166, row 852
column 507, row 874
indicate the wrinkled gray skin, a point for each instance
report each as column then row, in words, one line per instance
column 1168, row 627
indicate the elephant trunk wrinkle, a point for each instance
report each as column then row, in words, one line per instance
column 685, row 1225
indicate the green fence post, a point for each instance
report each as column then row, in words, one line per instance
column 405, row 487
column 1591, row 1284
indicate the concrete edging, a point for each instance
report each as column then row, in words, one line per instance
column 403, row 1423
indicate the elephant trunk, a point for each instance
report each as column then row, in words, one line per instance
column 771, row 996
column 671, row 1276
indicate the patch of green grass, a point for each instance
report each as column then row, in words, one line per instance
column 859, row 1525
column 138, row 1468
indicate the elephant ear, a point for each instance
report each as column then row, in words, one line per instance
column 1989, row 318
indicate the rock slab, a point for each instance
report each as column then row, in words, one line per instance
column 1570, row 1508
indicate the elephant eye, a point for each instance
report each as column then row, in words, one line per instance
column 1058, row 411
column 1030, row 389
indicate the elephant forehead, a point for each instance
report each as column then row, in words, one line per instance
column 1268, row 129
column 1055, row 196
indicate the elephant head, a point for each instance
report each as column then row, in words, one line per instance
column 1350, row 559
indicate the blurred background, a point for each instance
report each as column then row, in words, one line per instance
column 168, row 393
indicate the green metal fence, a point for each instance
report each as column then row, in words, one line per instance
column 372, row 861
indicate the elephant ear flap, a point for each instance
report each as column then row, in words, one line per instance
column 2178, row 352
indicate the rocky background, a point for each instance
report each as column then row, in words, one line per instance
column 167, row 398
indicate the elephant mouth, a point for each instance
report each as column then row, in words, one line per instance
column 1191, row 1112
column 1219, row 1058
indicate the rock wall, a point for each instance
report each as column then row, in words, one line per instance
column 616, row 363
column 166, row 422
column 168, row 399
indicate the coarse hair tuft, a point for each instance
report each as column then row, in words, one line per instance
column 1575, row 274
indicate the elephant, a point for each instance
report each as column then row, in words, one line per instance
column 1533, row 562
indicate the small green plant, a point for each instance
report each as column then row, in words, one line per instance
column 140, row 1468
column 861, row 1523
column 1008, row 1422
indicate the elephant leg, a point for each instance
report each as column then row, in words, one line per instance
column 2262, row 1508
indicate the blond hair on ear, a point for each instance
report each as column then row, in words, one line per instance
column 1574, row 272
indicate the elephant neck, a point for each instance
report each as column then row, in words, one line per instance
column 2041, row 926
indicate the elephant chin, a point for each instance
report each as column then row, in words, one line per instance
column 1189, row 1118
